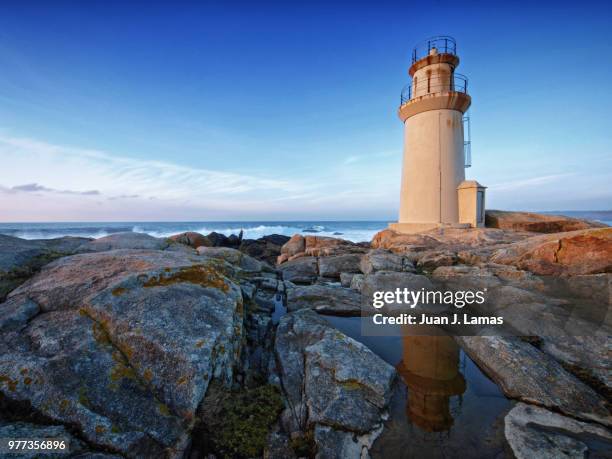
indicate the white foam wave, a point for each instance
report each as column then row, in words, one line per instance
column 343, row 231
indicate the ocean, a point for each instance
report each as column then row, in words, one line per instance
column 355, row 231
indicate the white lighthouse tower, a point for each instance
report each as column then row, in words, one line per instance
column 434, row 192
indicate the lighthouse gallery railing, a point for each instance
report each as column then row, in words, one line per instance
column 442, row 43
column 424, row 86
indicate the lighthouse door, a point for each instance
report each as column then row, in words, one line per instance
column 480, row 211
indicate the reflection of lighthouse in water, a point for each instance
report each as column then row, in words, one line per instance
column 430, row 369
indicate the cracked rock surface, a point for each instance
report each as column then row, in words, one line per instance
column 336, row 388
column 121, row 345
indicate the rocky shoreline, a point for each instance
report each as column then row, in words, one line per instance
column 214, row 346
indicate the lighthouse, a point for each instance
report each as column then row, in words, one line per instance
column 434, row 192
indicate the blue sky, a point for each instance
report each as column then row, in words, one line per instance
column 273, row 111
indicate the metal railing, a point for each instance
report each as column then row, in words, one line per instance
column 467, row 141
column 442, row 43
column 452, row 83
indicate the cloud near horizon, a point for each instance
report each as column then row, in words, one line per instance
column 51, row 182
column 35, row 187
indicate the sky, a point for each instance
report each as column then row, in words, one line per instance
column 129, row 111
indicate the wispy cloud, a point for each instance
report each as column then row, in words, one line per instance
column 50, row 182
column 126, row 196
column 369, row 157
column 530, row 182
column 123, row 177
column 36, row 188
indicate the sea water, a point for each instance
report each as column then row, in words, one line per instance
column 356, row 231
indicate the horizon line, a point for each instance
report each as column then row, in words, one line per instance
column 269, row 221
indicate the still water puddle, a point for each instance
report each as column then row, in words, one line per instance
column 443, row 405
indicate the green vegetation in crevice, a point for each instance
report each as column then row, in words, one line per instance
column 241, row 428
column 304, row 445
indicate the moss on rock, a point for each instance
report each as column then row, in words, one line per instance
column 304, row 445
column 206, row 276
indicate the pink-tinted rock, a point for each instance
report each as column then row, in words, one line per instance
column 283, row 257
column 451, row 239
column 570, row 253
column 325, row 246
column 192, row 239
column 293, row 246
column 319, row 246
column 538, row 223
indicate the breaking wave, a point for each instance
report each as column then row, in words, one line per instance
column 353, row 231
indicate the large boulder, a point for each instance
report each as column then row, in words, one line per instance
column 383, row 260
column 534, row 305
column 21, row 258
column 127, row 240
column 63, row 283
column 334, row 385
column 304, row 270
column 452, row 239
column 401, row 243
column 334, row 265
column 317, row 246
column 590, row 286
column 526, row 374
column 122, row 345
column 295, row 245
column 267, row 248
column 534, row 432
column 221, row 240
column 214, row 239
column 325, row 299
column 191, row 239
column 587, row 355
column 233, row 256
column 572, row 253
column 326, row 246
column 431, row 260
column 337, row 444
column 537, row 223
column 461, row 277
